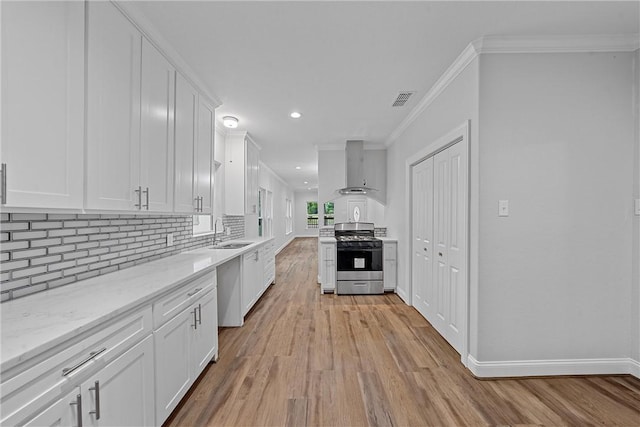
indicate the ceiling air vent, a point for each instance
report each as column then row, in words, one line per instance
column 402, row 99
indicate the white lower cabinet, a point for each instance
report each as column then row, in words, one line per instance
column 63, row 412
column 390, row 265
column 185, row 343
column 121, row 393
column 252, row 270
column 328, row 266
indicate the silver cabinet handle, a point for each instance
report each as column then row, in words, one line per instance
column 78, row 405
column 67, row 371
column 3, row 176
column 199, row 314
column 139, row 192
column 96, row 388
column 146, row 192
column 195, row 291
column 195, row 319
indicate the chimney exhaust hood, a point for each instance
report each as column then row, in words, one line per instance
column 356, row 183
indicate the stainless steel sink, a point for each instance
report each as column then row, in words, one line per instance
column 236, row 245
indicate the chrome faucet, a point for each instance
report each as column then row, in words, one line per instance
column 215, row 230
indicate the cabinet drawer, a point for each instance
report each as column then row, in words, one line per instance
column 177, row 300
column 65, row 365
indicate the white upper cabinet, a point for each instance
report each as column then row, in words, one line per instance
column 186, row 121
column 156, row 133
column 204, row 156
column 113, row 110
column 241, row 175
column 42, row 104
column 375, row 173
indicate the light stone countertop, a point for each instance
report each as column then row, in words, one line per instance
column 38, row 322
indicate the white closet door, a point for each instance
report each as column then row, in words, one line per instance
column 422, row 268
column 441, row 210
column 439, row 247
column 455, row 247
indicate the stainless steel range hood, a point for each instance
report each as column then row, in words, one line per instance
column 356, row 183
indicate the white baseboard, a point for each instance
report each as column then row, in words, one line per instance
column 285, row 244
column 403, row 294
column 534, row 368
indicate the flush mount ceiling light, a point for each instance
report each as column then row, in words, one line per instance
column 298, row 167
column 306, row 182
column 295, row 115
column 230, row 122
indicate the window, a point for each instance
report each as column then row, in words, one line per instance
column 328, row 213
column 312, row 214
column 288, row 217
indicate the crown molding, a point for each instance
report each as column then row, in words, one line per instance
column 558, row 43
column 160, row 43
column 517, row 44
column 454, row 70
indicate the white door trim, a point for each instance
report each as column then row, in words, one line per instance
column 458, row 135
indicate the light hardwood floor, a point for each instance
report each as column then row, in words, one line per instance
column 322, row 360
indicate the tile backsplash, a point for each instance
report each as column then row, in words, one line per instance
column 329, row 232
column 43, row 251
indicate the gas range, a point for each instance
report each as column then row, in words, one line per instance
column 359, row 259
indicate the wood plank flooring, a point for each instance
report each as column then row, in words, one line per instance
column 305, row 359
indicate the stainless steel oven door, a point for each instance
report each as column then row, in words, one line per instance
column 358, row 259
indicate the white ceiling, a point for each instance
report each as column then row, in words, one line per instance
column 342, row 64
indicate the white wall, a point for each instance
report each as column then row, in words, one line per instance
column 456, row 104
column 281, row 191
column 556, row 140
column 331, row 177
column 300, row 212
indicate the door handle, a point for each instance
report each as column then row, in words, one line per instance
column 78, row 405
column 3, row 176
column 199, row 314
column 146, row 192
column 96, row 388
column 139, row 192
column 195, row 319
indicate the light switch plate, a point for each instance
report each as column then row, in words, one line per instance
column 637, row 206
column 169, row 239
column 503, row 208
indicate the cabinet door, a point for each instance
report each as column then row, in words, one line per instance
column 204, row 155
column 205, row 336
column 390, row 265
column 156, row 133
column 251, row 180
column 249, row 263
column 174, row 374
column 125, row 388
column 63, row 412
column 43, row 103
column 113, row 110
column 329, row 268
column 186, row 120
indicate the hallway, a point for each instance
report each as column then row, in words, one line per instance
column 320, row 360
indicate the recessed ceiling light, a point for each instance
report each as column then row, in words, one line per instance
column 295, row 115
column 298, row 167
column 230, row 122
column 306, row 182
